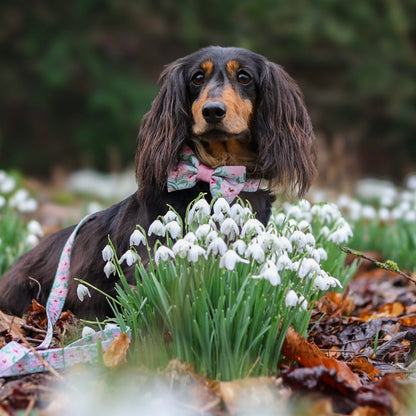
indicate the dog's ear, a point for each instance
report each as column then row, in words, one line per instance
column 164, row 128
column 284, row 132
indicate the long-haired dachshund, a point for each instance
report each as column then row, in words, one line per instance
column 229, row 106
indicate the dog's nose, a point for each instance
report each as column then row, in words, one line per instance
column 214, row 111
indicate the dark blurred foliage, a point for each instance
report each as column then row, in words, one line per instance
column 77, row 76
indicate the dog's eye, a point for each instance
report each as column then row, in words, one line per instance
column 198, row 78
column 243, row 77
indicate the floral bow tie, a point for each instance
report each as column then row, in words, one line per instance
column 228, row 181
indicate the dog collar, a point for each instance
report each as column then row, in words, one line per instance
column 228, row 181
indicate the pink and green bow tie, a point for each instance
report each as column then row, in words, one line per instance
column 228, row 181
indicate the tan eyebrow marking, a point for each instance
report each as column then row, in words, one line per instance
column 208, row 67
column 232, row 67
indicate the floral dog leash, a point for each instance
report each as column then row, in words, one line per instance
column 16, row 359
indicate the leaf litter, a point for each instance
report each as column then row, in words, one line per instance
column 356, row 361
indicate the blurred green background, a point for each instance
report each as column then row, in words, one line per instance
column 77, row 76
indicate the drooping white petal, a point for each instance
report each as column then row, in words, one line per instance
column 163, row 253
column 107, row 253
column 109, row 268
column 230, row 258
column 291, row 299
column 157, row 228
column 82, row 291
column 137, row 238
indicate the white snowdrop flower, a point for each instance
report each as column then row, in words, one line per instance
column 411, row 182
column 219, row 218
column 86, row 331
column 343, row 201
column 202, row 231
column 291, row 223
column 110, row 326
column 269, row 272
column 190, row 237
column 137, row 238
column 294, row 212
column 295, row 266
column 130, row 257
column 237, row 214
column 333, row 282
column 7, row 185
column 163, row 253
column 109, row 269
column 107, row 253
column 368, row 212
column 170, row 216
column 252, row 225
column 291, row 298
column 181, row 248
column 256, row 252
column 229, row 228
column 308, row 267
column 230, row 258
column 406, row 196
column 279, row 219
column 18, row 197
column 283, row 244
column 82, row 291
column 217, row 246
column 35, row 228
column 410, row 216
column 2, row 201
column 342, row 234
column 261, row 239
column 174, row 229
column 355, row 210
column 329, row 213
column 221, row 206
column 321, row 282
column 303, row 302
column 240, row 247
column 212, row 235
column 298, row 238
column 30, row 205
column 310, row 239
column 156, row 228
column 387, row 201
column 32, row 240
column 324, row 231
column 195, row 252
column 304, row 225
column 284, row 262
column 304, row 205
column 396, row 213
column 321, row 254
column 199, row 211
column 384, row 214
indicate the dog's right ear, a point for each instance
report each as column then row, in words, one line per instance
column 164, row 128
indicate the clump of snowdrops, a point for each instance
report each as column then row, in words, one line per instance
column 16, row 233
column 383, row 219
column 221, row 289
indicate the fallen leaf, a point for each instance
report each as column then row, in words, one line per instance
column 300, row 350
column 388, row 310
column 362, row 364
column 116, row 352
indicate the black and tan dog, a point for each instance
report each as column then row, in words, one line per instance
column 231, row 107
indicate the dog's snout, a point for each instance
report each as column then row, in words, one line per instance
column 214, row 111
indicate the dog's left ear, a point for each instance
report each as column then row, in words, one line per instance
column 285, row 135
column 163, row 129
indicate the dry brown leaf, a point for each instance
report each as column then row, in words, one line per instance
column 362, row 364
column 367, row 411
column 388, row 310
column 116, row 352
column 298, row 349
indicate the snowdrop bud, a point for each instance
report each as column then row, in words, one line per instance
column 109, row 268
column 229, row 260
column 229, row 228
column 35, row 228
column 256, row 252
column 107, row 253
column 86, row 331
column 237, row 213
column 321, row 282
column 137, row 238
column 82, row 291
column 221, row 206
column 130, row 257
column 252, row 225
column 199, row 211
column 202, row 231
column 284, row 262
column 212, row 235
column 163, row 253
column 195, row 252
column 174, row 229
column 368, row 212
column 181, row 248
column 240, row 246
column 157, row 228
column 291, row 299
column 32, row 240
column 217, row 246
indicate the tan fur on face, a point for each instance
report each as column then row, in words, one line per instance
column 237, row 118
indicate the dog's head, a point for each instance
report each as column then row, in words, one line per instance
column 233, row 107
